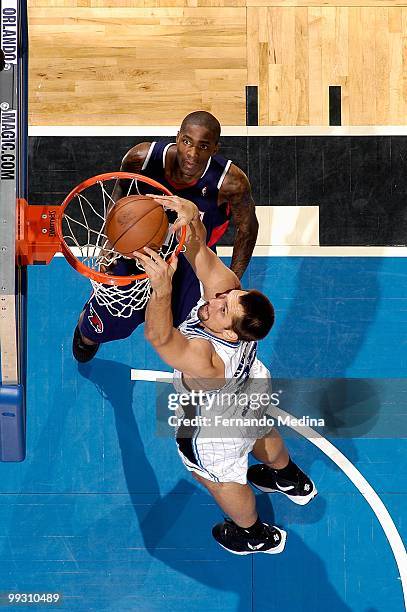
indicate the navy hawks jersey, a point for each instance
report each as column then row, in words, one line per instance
column 203, row 191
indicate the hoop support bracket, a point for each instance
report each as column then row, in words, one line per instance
column 37, row 240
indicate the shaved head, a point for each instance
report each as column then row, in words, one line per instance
column 204, row 119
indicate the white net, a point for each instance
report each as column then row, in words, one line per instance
column 122, row 301
column 83, row 227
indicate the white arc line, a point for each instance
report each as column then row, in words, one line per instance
column 347, row 467
column 366, row 490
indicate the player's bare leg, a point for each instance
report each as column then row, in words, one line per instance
column 236, row 500
column 244, row 533
column 271, row 450
column 277, row 472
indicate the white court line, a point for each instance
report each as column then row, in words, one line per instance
column 306, row 251
column 347, row 467
column 125, row 130
column 227, row 130
column 150, row 375
column 366, row 490
column 319, row 251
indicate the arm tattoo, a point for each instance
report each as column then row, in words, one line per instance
column 246, row 224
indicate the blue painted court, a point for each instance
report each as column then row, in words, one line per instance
column 103, row 512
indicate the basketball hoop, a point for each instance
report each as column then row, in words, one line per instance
column 76, row 228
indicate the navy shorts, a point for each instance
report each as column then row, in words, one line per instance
column 100, row 326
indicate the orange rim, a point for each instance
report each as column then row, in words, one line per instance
column 101, row 277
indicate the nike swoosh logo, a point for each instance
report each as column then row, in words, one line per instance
column 284, row 488
column 256, row 547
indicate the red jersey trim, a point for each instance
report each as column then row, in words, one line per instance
column 217, row 233
column 183, row 186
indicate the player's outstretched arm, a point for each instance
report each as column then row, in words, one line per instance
column 210, row 270
column 195, row 358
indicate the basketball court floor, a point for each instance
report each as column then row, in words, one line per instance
column 103, row 512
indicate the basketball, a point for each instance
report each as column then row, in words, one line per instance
column 134, row 222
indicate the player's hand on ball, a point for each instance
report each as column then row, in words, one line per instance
column 159, row 272
column 186, row 210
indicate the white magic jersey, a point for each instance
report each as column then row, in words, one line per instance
column 240, row 358
column 216, row 434
column 246, row 379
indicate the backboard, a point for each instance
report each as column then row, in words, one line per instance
column 13, row 185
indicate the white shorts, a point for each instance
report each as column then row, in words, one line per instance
column 217, row 459
column 205, row 449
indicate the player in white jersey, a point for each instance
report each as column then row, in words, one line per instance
column 213, row 354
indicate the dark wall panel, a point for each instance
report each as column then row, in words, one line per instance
column 309, row 169
column 359, row 183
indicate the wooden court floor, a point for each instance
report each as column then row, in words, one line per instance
column 150, row 62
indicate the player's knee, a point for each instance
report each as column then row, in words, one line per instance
column 208, row 484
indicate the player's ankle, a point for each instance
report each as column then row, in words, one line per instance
column 252, row 529
column 288, row 472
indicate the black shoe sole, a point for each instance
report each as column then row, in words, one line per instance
column 272, row 551
column 81, row 351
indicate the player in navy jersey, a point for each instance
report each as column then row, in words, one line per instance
column 216, row 369
column 190, row 168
